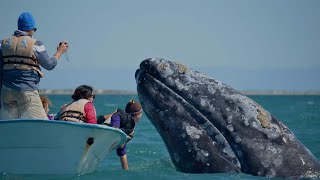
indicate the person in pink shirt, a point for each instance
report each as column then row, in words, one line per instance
column 81, row 108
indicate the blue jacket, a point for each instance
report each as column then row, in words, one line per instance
column 26, row 79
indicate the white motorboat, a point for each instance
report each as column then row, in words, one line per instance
column 55, row 147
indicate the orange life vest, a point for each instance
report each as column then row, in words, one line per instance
column 74, row 111
column 18, row 53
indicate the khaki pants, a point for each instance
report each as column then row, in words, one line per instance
column 17, row 104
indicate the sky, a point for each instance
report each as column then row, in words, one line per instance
column 247, row 44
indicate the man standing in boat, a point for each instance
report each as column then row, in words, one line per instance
column 126, row 121
column 20, row 59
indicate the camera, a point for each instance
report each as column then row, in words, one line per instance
column 62, row 42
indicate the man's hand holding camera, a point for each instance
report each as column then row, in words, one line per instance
column 62, row 48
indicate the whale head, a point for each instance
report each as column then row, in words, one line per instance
column 209, row 127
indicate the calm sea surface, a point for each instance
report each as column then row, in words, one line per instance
column 148, row 157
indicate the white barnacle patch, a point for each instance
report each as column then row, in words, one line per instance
column 238, row 164
column 246, row 123
column 212, row 108
column 203, row 76
column 201, row 155
column 273, row 132
column 179, row 109
column 208, row 164
column 291, row 137
column 229, row 152
column 255, row 125
column 211, row 89
column 189, row 149
column 230, row 127
column 229, row 119
column 219, row 138
column 193, row 132
column 237, row 109
column 265, row 164
column 204, row 153
column 192, row 77
column 170, row 81
column 220, row 86
column 245, row 120
column 303, row 162
column 255, row 145
column 227, row 109
column 238, row 139
column 278, row 161
column 272, row 149
column 271, row 173
column 248, row 106
column 204, row 101
column 197, row 76
column 180, row 86
column 284, row 140
column 311, row 174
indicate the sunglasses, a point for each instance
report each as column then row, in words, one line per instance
column 93, row 96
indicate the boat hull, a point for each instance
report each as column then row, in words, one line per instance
column 55, row 147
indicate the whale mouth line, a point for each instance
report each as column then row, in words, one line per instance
column 172, row 91
column 142, row 73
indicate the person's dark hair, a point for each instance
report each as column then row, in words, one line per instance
column 133, row 107
column 82, row 92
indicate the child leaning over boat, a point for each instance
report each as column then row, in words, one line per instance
column 126, row 121
column 81, row 108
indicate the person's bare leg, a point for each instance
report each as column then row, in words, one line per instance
column 124, row 162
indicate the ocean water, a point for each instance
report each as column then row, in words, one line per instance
column 148, row 157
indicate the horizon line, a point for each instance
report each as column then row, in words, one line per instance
column 133, row 92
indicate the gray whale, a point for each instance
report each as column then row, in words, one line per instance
column 208, row 127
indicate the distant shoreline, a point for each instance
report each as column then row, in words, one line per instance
column 130, row 92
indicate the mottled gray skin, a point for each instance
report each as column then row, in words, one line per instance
column 208, row 127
